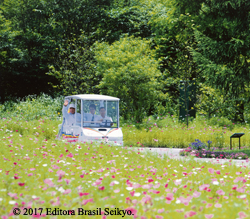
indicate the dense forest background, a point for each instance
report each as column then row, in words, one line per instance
column 142, row 51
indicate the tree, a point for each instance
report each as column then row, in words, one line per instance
column 130, row 71
column 43, row 29
column 74, row 68
column 222, row 50
column 172, row 27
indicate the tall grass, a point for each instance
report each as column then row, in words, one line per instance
column 168, row 131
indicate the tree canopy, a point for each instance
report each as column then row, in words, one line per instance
column 145, row 46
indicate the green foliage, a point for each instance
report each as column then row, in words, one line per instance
column 205, row 41
column 222, row 48
column 127, row 17
column 75, row 68
column 32, row 108
column 130, row 71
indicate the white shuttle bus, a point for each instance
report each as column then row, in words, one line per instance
column 96, row 119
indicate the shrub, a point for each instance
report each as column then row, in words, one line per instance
column 32, row 107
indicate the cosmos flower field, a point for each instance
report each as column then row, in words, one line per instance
column 38, row 172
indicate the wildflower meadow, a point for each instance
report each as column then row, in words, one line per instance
column 44, row 177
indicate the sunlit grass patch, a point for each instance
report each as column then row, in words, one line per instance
column 168, row 131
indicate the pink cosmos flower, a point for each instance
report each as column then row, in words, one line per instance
column 12, row 195
column 84, row 202
column 70, row 155
column 241, row 179
column 217, row 205
column 148, row 186
column 21, row 184
column 241, row 190
column 204, row 187
column 209, row 216
column 97, row 182
column 132, row 193
column 116, row 190
column 137, row 185
column 158, row 216
column 169, row 197
column 217, row 171
column 196, row 194
column 67, row 181
column 101, row 187
column 60, row 173
column 128, row 200
column 175, row 190
column 185, row 201
column 67, row 191
column 209, row 205
column 161, row 210
column 190, row 214
column 235, row 187
column 49, row 182
column 211, row 170
column 146, row 199
column 83, row 193
column 242, row 215
column 179, row 210
column 156, row 192
column 55, row 167
column 220, row 192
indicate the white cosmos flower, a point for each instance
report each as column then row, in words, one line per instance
column 129, row 188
